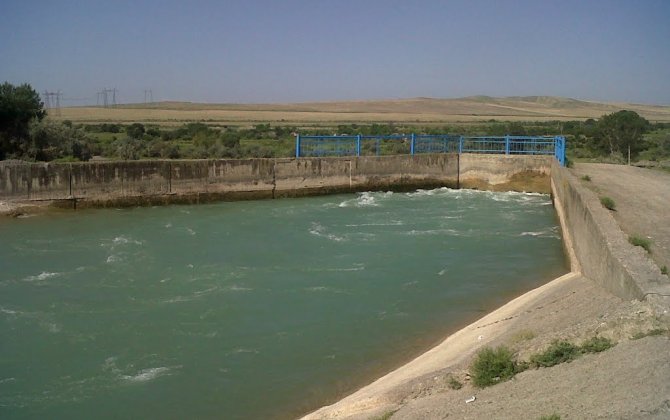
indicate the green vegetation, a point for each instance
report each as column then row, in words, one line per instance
column 454, row 383
column 608, row 203
column 640, row 241
column 522, row 335
column 492, row 366
column 385, row 416
column 551, row 417
column 586, row 178
column 651, row 333
column 19, row 106
column 558, row 352
column 596, row 345
column 664, row 270
column 611, row 138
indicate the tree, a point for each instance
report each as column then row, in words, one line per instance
column 18, row 106
column 135, row 131
column 49, row 140
column 621, row 132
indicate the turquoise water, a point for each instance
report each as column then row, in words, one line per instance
column 263, row 309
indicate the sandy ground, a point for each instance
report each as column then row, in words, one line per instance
column 631, row 380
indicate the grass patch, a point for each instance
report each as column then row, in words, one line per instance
column 454, row 383
column 586, row 178
column 640, row 241
column 385, row 416
column 664, row 270
column 596, row 345
column 558, row 352
column 522, row 335
column 651, row 333
column 492, row 366
column 551, row 417
column 608, row 203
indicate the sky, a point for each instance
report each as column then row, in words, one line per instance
column 262, row 51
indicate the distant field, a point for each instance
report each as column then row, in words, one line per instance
column 423, row 111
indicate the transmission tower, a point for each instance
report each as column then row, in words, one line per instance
column 103, row 97
column 52, row 101
column 148, row 93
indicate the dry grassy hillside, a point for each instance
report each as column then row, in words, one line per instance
column 416, row 110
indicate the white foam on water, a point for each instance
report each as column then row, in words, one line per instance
column 366, row 199
column 547, row 233
column 390, row 223
column 123, row 240
column 320, row 231
column 145, row 375
column 442, row 272
column 9, row 311
column 446, row 232
column 241, row 350
column 236, row 288
column 190, row 231
column 113, row 258
column 325, row 289
column 42, row 276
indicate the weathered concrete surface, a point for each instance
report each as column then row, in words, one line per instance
column 642, row 198
column 603, row 251
column 505, row 172
column 126, row 183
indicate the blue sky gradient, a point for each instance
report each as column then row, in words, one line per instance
column 293, row 51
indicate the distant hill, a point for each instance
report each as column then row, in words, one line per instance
column 416, row 110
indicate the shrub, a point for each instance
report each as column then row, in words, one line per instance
column 551, row 417
column 640, row 241
column 650, row 333
column 608, row 203
column 454, row 383
column 558, row 352
column 596, row 345
column 492, row 366
column 586, row 178
column 664, row 270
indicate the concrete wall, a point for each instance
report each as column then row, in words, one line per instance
column 163, row 181
column 602, row 250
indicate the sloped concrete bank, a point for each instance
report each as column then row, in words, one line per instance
column 131, row 183
column 602, row 251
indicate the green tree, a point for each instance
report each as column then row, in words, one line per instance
column 135, row 131
column 622, row 132
column 49, row 140
column 18, row 106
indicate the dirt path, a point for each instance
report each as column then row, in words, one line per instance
column 642, row 198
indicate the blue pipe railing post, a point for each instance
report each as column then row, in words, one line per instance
column 297, row 146
column 460, row 145
column 507, row 144
column 358, row 145
column 411, row 145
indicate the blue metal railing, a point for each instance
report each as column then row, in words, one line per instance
column 358, row 145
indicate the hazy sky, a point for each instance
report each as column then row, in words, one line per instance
column 291, row 50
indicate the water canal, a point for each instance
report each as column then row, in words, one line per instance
column 255, row 309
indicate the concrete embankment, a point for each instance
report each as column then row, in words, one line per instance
column 129, row 183
column 603, row 252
